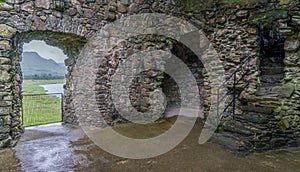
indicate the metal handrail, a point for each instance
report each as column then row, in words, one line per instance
column 233, row 89
column 43, row 94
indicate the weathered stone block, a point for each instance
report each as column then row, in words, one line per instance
column 242, row 13
column 28, row 7
column 237, row 127
column 110, row 16
column 291, row 45
column 4, row 60
column 284, row 91
column 285, row 2
column 43, row 3
column 6, row 31
column 126, row 2
column 88, row 13
column 297, row 87
column 258, row 109
column 4, row 45
column 229, row 142
column 296, row 20
column 5, row 120
column 17, row 1
column 5, row 103
column 4, row 129
column 72, row 12
column 4, row 136
column 4, row 76
column 59, row 6
column 5, row 7
column 5, row 143
column 121, row 8
column 133, row 9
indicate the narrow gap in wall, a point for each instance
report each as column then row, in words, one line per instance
column 272, row 55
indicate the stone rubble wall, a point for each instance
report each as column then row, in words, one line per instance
column 144, row 84
column 289, row 112
column 75, row 19
column 277, row 122
column 232, row 30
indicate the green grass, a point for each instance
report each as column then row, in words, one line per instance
column 40, row 109
column 33, row 86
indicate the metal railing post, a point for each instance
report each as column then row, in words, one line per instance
column 62, row 107
column 22, row 111
column 218, row 103
column 234, row 95
column 246, row 64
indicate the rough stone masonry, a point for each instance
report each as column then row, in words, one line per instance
column 262, row 122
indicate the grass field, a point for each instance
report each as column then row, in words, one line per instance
column 40, row 109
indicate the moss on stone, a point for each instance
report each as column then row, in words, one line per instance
column 191, row 5
column 5, row 20
column 267, row 15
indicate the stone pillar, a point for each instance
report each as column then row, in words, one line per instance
column 10, row 121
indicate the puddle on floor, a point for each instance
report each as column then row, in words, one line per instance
column 9, row 161
column 48, row 148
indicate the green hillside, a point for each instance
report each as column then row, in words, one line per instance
column 34, row 65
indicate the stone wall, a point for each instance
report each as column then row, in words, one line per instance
column 65, row 24
column 145, row 83
column 61, row 40
column 232, row 28
column 268, row 114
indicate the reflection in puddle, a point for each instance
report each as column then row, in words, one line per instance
column 63, row 148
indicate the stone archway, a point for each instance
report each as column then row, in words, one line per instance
column 53, row 21
column 70, row 44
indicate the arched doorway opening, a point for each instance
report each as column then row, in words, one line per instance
column 143, row 84
column 272, row 54
column 68, row 46
column 43, row 71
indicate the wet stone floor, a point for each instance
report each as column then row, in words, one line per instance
column 58, row 148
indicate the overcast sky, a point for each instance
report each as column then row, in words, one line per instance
column 44, row 50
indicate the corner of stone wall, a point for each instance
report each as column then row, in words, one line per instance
column 10, row 102
column 281, row 126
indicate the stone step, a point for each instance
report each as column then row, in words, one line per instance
column 255, row 118
column 262, row 109
column 253, row 99
column 272, row 78
column 234, row 142
column 269, row 70
column 264, row 85
column 276, row 59
column 273, row 92
column 271, row 64
column 237, row 127
column 265, row 90
column 272, row 102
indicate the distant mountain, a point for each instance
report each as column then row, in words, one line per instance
column 62, row 64
column 33, row 64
